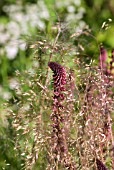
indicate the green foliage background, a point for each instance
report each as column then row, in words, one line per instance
column 75, row 16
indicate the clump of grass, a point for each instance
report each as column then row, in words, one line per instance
column 68, row 127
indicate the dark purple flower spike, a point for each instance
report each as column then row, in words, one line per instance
column 112, row 62
column 59, row 141
column 59, row 79
column 102, row 58
column 107, row 69
column 100, row 165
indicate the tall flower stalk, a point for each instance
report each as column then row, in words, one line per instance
column 59, row 141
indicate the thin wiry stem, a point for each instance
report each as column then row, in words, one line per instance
column 54, row 45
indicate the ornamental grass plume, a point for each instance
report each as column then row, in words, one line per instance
column 58, row 140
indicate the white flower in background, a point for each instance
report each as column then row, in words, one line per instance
column 42, row 9
column 77, row 2
column 2, row 27
column 41, row 25
column 81, row 26
column 4, row 94
column 31, row 71
column 19, row 17
column 13, row 83
column 22, row 45
column 78, row 15
column 13, row 8
column 13, row 29
column 71, row 8
column 60, row 3
column 11, row 51
column 4, row 37
column 23, row 22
